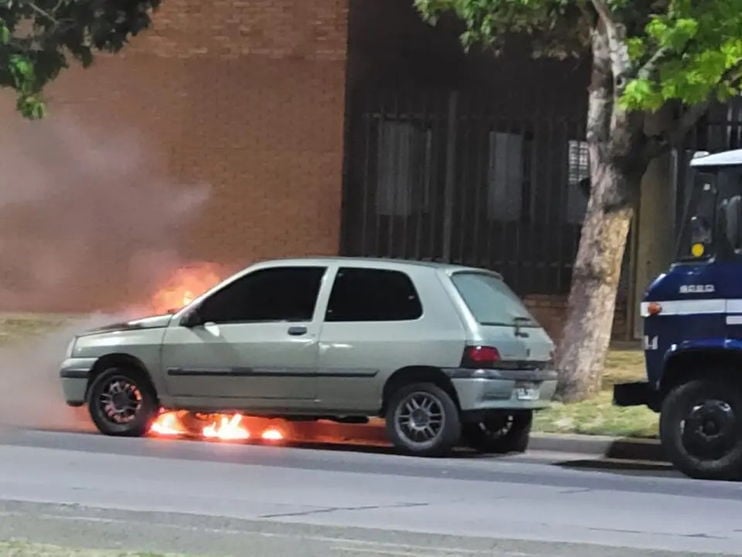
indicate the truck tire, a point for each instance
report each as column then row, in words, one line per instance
column 423, row 420
column 500, row 432
column 701, row 429
column 122, row 402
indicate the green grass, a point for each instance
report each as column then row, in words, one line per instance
column 17, row 327
column 598, row 416
column 21, row 549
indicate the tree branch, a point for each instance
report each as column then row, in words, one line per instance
column 651, row 65
column 672, row 137
column 43, row 12
column 618, row 48
column 585, row 11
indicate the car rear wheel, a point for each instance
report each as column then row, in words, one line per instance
column 701, row 429
column 500, row 432
column 422, row 420
column 122, row 402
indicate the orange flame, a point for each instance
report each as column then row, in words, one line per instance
column 219, row 427
column 186, row 284
column 227, row 429
column 273, row 434
column 168, row 424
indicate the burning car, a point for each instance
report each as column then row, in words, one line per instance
column 444, row 353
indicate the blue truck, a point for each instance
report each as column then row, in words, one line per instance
column 692, row 317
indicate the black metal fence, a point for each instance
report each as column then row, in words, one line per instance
column 478, row 180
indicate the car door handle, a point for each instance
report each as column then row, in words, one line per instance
column 297, row 331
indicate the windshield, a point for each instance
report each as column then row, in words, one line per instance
column 491, row 301
column 702, row 235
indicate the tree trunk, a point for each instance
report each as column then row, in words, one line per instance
column 616, row 167
column 592, row 300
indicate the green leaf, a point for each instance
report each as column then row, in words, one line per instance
column 57, row 31
column 4, row 33
column 637, row 48
column 641, row 93
column 31, row 107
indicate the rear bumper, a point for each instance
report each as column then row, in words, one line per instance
column 636, row 394
column 499, row 389
column 74, row 374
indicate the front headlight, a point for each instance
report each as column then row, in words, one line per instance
column 70, row 348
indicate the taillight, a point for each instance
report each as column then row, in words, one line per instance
column 480, row 357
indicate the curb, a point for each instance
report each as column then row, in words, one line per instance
column 616, row 448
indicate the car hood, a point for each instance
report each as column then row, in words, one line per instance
column 154, row 322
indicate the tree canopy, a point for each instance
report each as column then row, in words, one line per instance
column 39, row 38
column 685, row 52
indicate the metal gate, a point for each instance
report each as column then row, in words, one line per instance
column 454, row 176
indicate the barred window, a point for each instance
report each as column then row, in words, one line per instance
column 579, row 172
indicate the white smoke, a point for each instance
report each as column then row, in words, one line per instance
column 90, row 222
column 31, row 394
column 89, row 219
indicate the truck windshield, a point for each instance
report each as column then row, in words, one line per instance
column 490, row 300
column 702, row 234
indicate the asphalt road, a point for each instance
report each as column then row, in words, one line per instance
column 257, row 501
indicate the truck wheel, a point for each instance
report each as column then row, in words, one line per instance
column 122, row 403
column 500, row 432
column 701, row 429
column 423, row 420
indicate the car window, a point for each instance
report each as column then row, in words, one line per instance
column 279, row 294
column 491, row 301
column 373, row 295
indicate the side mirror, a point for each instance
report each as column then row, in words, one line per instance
column 192, row 319
column 733, row 221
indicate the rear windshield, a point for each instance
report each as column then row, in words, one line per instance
column 491, row 301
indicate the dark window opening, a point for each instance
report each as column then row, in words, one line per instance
column 373, row 295
column 281, row 294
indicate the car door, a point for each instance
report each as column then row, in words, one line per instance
column 256, row 341
column 366, row 333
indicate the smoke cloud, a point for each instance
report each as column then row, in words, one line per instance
column 88, row 217
column 32, row 393
column 90, row 224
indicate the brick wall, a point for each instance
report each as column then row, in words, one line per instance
column 247, row 96
column 550, row 312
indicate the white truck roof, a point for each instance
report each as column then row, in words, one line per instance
column 725, row 158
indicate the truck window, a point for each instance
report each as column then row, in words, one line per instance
column 373, row 295
column 491, row 301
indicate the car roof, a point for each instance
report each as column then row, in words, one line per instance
column 372, row 261
column 725, row 158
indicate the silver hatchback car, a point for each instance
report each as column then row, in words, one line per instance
column 446, row 354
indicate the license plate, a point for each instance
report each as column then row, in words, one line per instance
column 526, row 391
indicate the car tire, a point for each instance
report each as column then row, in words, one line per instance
column 701, row 429
column 122, row 402
column 423, row 420
column 500, row 432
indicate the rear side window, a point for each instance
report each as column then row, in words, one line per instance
column 373, row 295
column 491, row 301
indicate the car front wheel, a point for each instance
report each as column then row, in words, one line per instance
column 701, row 429
column 423, row 420
column 122, row 402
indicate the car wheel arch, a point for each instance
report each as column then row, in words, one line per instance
column 122, row 360
column 417, row 374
